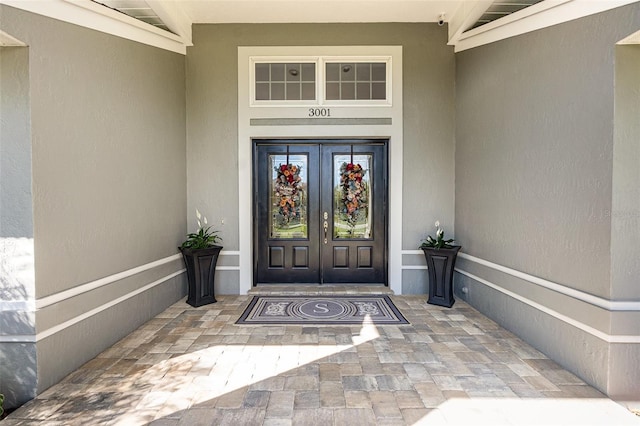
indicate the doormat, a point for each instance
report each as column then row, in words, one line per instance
column 333, row 310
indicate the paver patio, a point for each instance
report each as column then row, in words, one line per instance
column 194, row 366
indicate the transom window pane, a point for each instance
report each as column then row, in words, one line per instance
column 285, row 82
column 356, row 81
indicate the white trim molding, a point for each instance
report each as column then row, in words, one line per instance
column 465, row 17
column 609, row 338
column 56, row 329
column 320, row 62
column 75, row 291
column 540, row 15
column 227, row 268
column 92, row 15
column 388, row 125
column 610, row 305
column 172, row 15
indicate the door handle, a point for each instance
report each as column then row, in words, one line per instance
column 325, row 225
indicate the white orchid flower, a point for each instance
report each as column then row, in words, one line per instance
column 438, row 224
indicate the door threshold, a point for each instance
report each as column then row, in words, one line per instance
column 314, row 289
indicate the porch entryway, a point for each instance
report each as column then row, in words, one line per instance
column 195, row 366
column 320, row 211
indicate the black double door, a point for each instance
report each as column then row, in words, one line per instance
column 320, row 212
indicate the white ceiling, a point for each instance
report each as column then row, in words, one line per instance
column 280, row 11
column 274, row 11
column 168, row 23
column 177, row 16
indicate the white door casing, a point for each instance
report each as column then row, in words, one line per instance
column 299, row 120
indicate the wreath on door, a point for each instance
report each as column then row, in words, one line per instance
column 288, row 190
column 354, row 192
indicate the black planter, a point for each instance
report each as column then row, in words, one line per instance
column 440, row 263
column 201, row 270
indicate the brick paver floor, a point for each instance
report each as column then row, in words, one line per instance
column 194, row 366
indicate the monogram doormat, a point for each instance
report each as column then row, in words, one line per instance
column 319, row 310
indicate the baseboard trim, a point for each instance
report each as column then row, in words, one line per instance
column 610, row 305
column 56, row 329
column 76, row 291
column 629, row 339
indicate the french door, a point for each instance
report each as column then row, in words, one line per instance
column 320, row 212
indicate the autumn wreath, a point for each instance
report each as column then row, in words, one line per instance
column 354, row 192
column 288, row 189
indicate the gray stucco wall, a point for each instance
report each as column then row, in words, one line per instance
column 16, row 219
column 108, row 141
column 625, row 217
column 18, row 361
column 625, row 208
column 534, row 185
column 212, row 120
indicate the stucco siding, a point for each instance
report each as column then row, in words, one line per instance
column 107, row 136
column 534, row 188
column 428, row 123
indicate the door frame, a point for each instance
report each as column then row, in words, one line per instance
column 320, row 142
column 346, row 122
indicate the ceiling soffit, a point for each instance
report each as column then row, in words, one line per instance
column 167, row 23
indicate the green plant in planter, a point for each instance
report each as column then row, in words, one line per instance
column 200, row 254
column 439, row 241
column 204, row 238
column 440, row 255
column 1, row 405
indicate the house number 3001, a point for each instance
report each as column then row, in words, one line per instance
column 319, row 112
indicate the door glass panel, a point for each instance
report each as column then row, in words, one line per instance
column 352, row 191
column 289, row 202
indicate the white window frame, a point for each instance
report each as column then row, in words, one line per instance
column 280, row 60
column 296, row 122
column 358, row 59
column 320, row 81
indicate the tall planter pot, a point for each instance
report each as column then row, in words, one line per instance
column 201, row 270
column 440, row 263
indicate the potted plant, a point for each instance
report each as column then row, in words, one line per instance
column 441, row 258
column 200, row 253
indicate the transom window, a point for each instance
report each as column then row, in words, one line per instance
column 285, row 82
column 361, row 81
column 320, row 81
